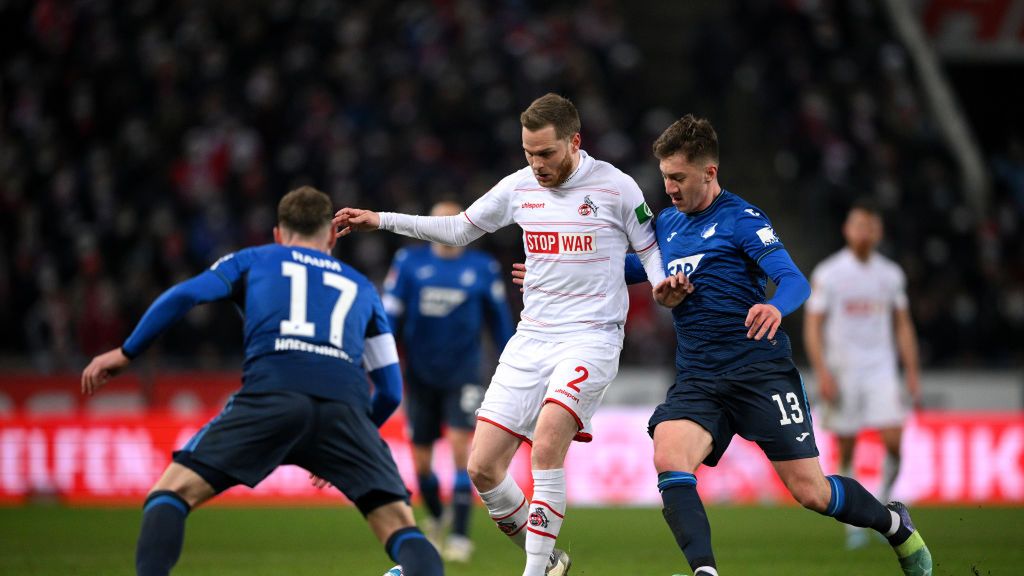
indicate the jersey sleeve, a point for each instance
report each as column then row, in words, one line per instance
column 499, row 317
column 818, row 302
column 216, row 283
column 493, row 210
column 380, row 358
column 637, row 218
column 754, row 234
column 635, row 272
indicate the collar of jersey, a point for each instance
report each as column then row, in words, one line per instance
column 579, row 167
column 710, row 206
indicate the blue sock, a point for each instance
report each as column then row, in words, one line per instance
column 430, row 492
column 162, row 533
column 462, row 503
column 852, row 504
column 685, row 515
column 410, row 548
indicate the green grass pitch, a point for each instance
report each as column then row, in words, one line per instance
column 749, row 541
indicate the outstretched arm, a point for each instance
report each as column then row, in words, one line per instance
column 165, row 311
column 791, row 291
column 451, row 230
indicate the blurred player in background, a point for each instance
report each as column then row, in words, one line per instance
column 579, row 215
column 313, row 329
column 858, row 304
column 436, row 297
column 735, row 374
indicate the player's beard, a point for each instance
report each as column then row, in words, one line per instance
column 563, row 172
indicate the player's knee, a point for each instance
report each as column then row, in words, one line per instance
column 810, row 495
column 484, row 477
column 675, row 459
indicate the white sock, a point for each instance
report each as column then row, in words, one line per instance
column 890, row 471
column 508, row 508
column 546, row 513
column 707, row 570
column 895, row 523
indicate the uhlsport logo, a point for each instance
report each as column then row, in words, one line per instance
column 532, row 205
column 588, row 207
column 687, row 265
column 561, row 242
column 538, row 518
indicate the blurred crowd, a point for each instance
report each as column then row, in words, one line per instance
column 138, row 143
column 847, row 118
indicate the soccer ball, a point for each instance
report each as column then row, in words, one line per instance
column 396, row 571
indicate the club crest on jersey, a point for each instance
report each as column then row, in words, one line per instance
column 767, row 236
column 538, row 518
column 685, row 265
column 561, row 242
column 708, row 231
column 588, row 207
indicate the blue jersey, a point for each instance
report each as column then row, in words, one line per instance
column 308, row 320
column 725, row 250
column 437, row 306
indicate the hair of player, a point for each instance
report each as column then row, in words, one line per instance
column 694, row 137
column 866, row 205
column 552, row 110
column 305, row 211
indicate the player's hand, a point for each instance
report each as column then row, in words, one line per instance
column 102, row 369
column 671, row 291
column 827, row 387
column 348, row 220
column 519, row 275
column 318, row 482
column 763, row 319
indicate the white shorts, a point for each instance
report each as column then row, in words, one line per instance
column 869, row 398
column 532, row 372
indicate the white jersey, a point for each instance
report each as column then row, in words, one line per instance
column 575, row 237
column 859, row 300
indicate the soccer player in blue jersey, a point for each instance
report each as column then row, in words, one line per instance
column 314, row 327
column 436, row 297
column 735, row 374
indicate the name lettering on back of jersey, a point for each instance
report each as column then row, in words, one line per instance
column 767, row 236
column 561, row 242
column 314, row 261
column 709, row 231
column 438, row 302
column 685, row 265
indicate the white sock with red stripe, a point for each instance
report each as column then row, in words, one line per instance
column 509, row 509
column 546, row 513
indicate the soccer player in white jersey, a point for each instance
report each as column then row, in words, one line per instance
column 858, row 306
column 579, row 216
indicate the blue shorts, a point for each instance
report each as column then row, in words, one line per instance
column 257, row 432
column 429, row 408
column 762, row 402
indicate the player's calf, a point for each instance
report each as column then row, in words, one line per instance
column 162, row 533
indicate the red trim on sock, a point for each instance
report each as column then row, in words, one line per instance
column 511, row 513
column 545, row 534
column 548, row 506
column 495, row 424
column 520, row 529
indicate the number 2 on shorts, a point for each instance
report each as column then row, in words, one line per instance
column 585, row 374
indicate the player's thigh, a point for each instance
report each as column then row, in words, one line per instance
column 697, row 400
column 514, row 397
column 249, row 439
column 767, row 405
column 186, row 483
column 580, row 377
column 680, row 446
column 424, row 407
column 348, row 451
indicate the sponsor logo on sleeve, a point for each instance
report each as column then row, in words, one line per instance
column 767, row 236
column 561, row 242
column 643, row 213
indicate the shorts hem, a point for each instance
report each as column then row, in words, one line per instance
column 506, row 429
